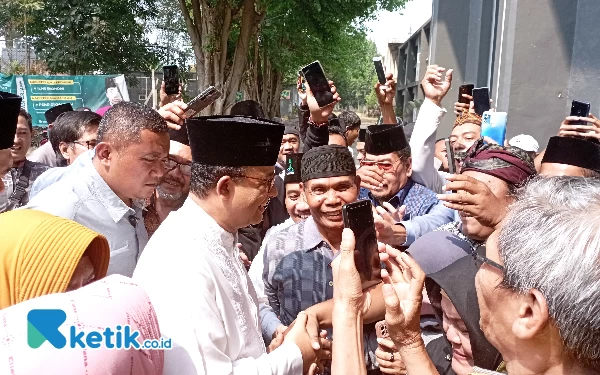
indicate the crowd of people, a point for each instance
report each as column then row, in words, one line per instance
column 225, row 236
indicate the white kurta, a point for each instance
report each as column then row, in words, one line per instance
column 205, row 301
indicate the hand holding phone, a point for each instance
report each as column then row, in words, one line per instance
column 318, row 83
column 465, row 90
column 358, row 216
column 381, row 330
column 579, row 109
column 203, row 100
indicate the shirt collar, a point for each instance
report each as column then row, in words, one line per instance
column 204, row 220
column 398, row 199
column 115, row 207
column 312, row 236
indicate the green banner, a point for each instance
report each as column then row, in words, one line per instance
column 41, row 93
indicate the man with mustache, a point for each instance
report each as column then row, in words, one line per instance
column 175, row 186
column 108, row 191
column 296, row 272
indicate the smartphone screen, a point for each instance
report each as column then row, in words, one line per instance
column 451, row 158
column 203, row 100
column 315, row 77
column 465, row 89
column 358, row 216
column 171, row 78
column 379, row 69
column 493, row 125
column 481, row 99
column 579, row 109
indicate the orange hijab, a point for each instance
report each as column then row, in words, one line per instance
column 39, row 253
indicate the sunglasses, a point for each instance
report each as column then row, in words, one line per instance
column 383, row 165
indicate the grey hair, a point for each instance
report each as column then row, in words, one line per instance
column 550, row 241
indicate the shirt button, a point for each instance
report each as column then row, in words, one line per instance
column 331, row 283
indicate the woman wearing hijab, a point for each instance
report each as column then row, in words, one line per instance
column 109, row 303
column 453, row 297
column 43, row 254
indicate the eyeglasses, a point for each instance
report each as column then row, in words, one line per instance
column 480, row 259
column 89, row 144
column 269, row 182
column 383, row 165
column 185, row 169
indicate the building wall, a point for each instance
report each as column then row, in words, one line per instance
column 535, row 56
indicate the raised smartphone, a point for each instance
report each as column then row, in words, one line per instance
column 493, row 125
column 481, row 99
column 171, row 78
column 358, row 216
column 203, row 100
column 318, row 83
column 451, row 157
column 379, row 70
column 465, row 89
column 579, row 109
column 381, row 330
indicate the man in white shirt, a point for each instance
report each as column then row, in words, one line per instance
column 201, row 292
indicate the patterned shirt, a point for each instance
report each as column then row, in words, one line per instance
column 12, row 178
column 417, row 198
column 455, row 228
column 296, row 270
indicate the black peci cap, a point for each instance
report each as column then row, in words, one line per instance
column 577, row 152
column 247, row 108
column 234, row 141
column 327, row 161
column 53, row 113
column 10, row 105
column 385, row 139
column 362, row 135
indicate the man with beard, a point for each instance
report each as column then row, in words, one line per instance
column 108, row 190
column 204, row 299
column 10, row 106
column 175, row 186
column 24, row 172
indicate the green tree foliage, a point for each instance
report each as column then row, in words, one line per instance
column 87, row 36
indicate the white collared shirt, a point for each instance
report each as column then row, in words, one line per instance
column 85, row 197
column 205, row 301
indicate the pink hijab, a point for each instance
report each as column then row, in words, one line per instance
column 112, row 301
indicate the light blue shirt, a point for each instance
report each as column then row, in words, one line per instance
column 83, row 196
column 56, row 174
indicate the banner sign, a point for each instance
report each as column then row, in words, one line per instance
column 41, row 93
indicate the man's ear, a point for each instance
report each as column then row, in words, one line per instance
column 224, row 187
column 408, row 165
column 105, row 152
column 357, row 181
column 533, row 316
column 63, row 148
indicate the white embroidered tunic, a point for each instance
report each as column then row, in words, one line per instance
column 205, row 301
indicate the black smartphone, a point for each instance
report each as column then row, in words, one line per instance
column 203, row 100
column 358, row 216
column 379, row 69
column 171, row 78
column 465, row 89
column 481, row 99
column 451, row 157
column 315, row 77
column 579, row 109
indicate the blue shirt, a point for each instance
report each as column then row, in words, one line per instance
column 424, row 212
column 83, row 196
column 56, row 174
